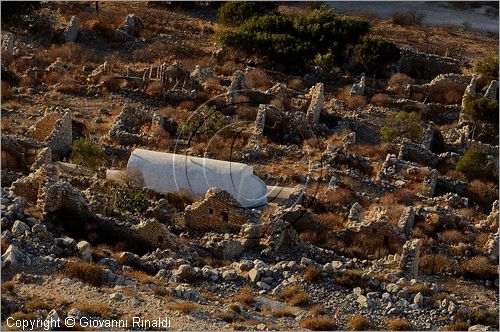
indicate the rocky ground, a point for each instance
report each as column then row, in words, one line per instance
column 383, row 230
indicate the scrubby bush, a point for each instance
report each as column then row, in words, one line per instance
column 374, row 53
column 435, row 264
column 478, row 108
column 487, row 67
column 236, row 12
column 324, row 61
column 400, row 80
column 87, row 272
column 358, row 323
column 473, row 162
column 399, row 324
column 204, row 123
column 478, row 267
column 411, row 17
column 318, row 324
column 401, row 124
column 86, row 153
column 126, row 198
column 293, row 42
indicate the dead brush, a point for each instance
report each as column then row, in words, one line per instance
column 277, row 312
column 358, row 323
column 258, row 79
column 94, row 309
column 322, row 323
column 435, row 263
column 399, row 324
column 90, row 273
column 312, row 273
column 381, row 99
column 478, row 267
column 356, row 102
column 294, row 296
column 245, row 296
column 140, row 276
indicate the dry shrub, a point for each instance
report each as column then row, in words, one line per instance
column 54, row 77
column 478, row 316
column 94, row 309
column 154, row 89
column 420, row 288
column 184, row 307
column 351, row 278
column 294, row 296
column 68, row 52
column 399, row 324
column 484, row 193
column 331, row 220
column 312, row 273
column 278, row 103
column 112, row 84
column 456, row 326
column 246, row 112
column 188, row 105
column 381, row 99
column 26, row 82
column 277, row 312
column 72, row 88
column 318, row 324
column 478, row 267
column 399, row 80
column 375, row 151
column 435, row 263
column 310, row 236
column 6, row 93
column 356, row 102
column 228, row 68
column 87, row 272
column 8, row 287
column 316, row 310
column 37, row 303
column 245, row 296
column 105, row 22
column 258, row 79
column 296, row 84
column 452, row 236
column 140, row 276
column 438, row 297
column 341, row 196
column 358, row 323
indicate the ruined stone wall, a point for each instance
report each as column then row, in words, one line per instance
column 19, row 153
column 124, row 129
column 217, row 212
column 316, row 105
column 410, row 258
column 416, row 153
column 421, row 65
column 61, row 137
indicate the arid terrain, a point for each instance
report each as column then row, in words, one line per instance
column 374, row 139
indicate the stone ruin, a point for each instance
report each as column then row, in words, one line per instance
column 130, row 27
column 407, row 221
column 410, row 257
column 358, row 89
column 238, row 84
column 58, row 66
column 72, row 30
column 8, row 43
column 316, row 105
column 126, row 127
column 217, row 212
column 421, row 65
column 441, row 89
column 22, row 154
column 470, row 89
column 55, row 131
column 492, row 91
column 417, row 153
column 96, row 75
column 490, row 224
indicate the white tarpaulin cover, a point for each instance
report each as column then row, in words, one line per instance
column 169, row 172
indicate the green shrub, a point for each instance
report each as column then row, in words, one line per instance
column 294, row 42
column 324, row 61
column 401, row 124
column 202, row 124
column 375, row 52
column 130, row 199
column 478, row 108
column 86, row 153
column 487, row 67
column 473, row 162
column 236, row 12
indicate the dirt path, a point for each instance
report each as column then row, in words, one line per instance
column 483, row 18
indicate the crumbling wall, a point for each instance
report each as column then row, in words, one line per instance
column 316, row 105
column 417, row 153
column 19, row 153
column 31, row 186
column 408, row 264
column 217, row 212
column 125, row 128
column 421, row 65
column 492, row 91
column 358, row 89
column 407, row 220
column 56, row 131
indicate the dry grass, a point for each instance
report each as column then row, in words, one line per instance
column 140, row 276
column 316, row 310
column 184, row 307
column 478, row 267
column 258, row 79
column 419, row 288
column 435, row 263
column 87, row 272
column 399, row 80
column 356, row 102
column 296, row 83
column 294, row 296
column 456, row 326
column 341, row 196
column 277, row 312
column 380, row 99
column 452, row 236
column 351, row 278
column 37, row 303
column 312, row 273
column 358, row 323
column 399, row 324
column 94, row 308
column 318, row 324
column 245, row 296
